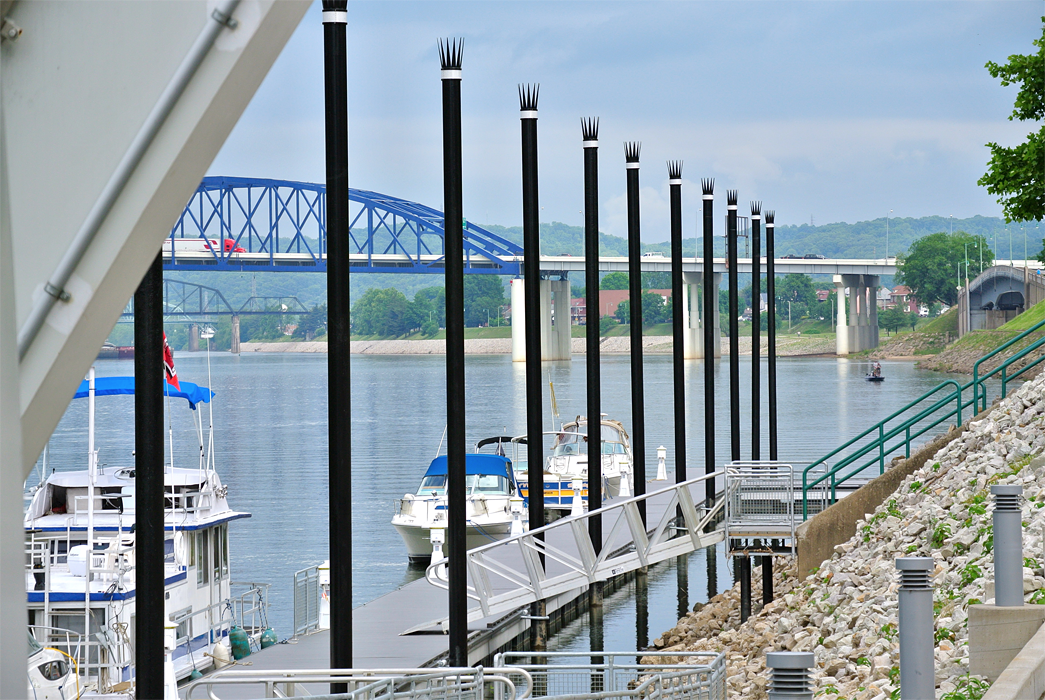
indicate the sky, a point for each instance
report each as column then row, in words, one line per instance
column 823, row 111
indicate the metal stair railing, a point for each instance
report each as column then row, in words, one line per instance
column 926, row 418
column 536, row 568
column 645, row 675
column 369, row 684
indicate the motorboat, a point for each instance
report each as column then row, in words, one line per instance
column 568, row 463
column 492, row 501
column 875, row 374
column 50, row 673
column 81, row 555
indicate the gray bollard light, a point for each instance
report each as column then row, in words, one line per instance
column 917, row 660
column 1008, row 545
column 789, row 675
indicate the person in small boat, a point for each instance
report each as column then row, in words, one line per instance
column 876, row 369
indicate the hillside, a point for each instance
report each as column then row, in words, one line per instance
column 961, row 355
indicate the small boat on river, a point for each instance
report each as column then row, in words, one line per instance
column 492, row 500
column 876, row 373
column 80, row 572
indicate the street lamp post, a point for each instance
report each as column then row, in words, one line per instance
column 887, row 235
column 788, row 317
column 951, row 224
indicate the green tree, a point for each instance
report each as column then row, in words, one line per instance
column 437, row 297
column 614, row 280
column 654, row 310
column 313, row 323
column 381, row 312
column 262, row 327
column 483, row 297
column 934, row 264
column 1017, row 175
column 891, row 319
column 656, row 280
column 606, row 323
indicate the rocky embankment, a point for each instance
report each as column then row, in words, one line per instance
column 910, row 345
column 846, row 612
column 962, row 355
column 790, row 346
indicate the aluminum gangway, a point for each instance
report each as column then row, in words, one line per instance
column 762, row 507
column 561, row 557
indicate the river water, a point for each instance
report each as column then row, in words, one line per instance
column 271, row 436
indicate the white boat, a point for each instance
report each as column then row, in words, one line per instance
column 492, row 499
column 80, row 561
column 569, row 461
column 50, row 674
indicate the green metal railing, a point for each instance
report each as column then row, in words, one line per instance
column 897, row 430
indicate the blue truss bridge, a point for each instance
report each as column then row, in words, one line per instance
column 252, row 224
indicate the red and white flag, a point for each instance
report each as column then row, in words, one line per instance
column 168, row 364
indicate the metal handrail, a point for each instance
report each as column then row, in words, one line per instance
column 579, row 564
column 976, row 380
column 386, row 683
column 880, row 442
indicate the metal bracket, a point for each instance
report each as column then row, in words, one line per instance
column 224, row 19
column 59, row 294
column 9, row 31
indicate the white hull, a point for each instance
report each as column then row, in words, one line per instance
column 418, row 539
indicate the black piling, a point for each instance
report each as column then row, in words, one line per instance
column 745, row 587
column 734, row 326
column 450, row 55
column 756, row 330
column 339, row 385
column 711, row 566
column 682, row 584
column 590, row 137
column 532, row 302
column 677, row 321
column 148, row 481
column 771, row 331
column 767, row 580
column 710, row 306
column 638, row 420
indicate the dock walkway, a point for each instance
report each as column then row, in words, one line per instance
column 377, row 642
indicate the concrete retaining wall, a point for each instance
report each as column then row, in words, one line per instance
column 818, row 536
column 1024, row 678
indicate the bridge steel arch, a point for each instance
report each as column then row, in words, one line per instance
column 253, row 224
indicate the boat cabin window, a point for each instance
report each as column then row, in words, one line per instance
column 488, row 484
column 613, row 448
column 432, row 485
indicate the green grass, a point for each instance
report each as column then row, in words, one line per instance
column 944, row 323
column 1027, row 319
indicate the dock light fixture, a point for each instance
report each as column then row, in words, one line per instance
column 590, row 143
column 1008, row 545
column 771, row 330
column 917, row 672
column 789, row 675
column 756, row 330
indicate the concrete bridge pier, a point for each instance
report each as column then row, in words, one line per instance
column 194, row 338
column 555, row 320
column 235, row 335
column 857, row 330
column 693, row 324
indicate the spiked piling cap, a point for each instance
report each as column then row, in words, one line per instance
column 708, row 186
column 770, row 216
column 451, row 52
column 731, row 198
column 675, row 172
column 590, row 129
column 756, row 209
column 631, row 151
column 528, row 97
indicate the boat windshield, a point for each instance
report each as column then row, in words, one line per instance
column 432, row 485
column 613, row 448
column 34, row 646
column 486, row 484
column 570, row 444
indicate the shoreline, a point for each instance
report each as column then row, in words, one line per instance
column 617, row 345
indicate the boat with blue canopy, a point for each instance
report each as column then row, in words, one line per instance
column 494, row 506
